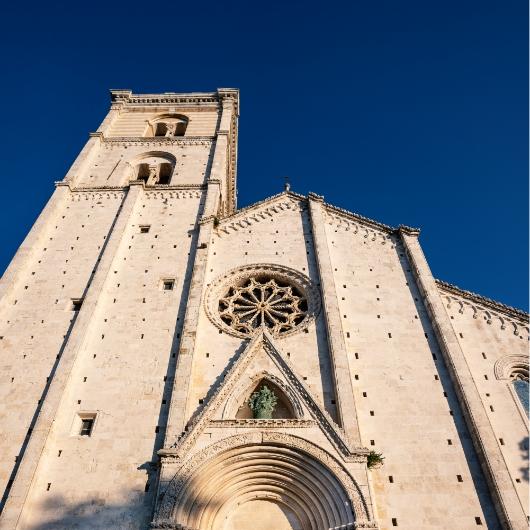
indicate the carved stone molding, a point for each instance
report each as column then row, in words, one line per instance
column 235, row 277
column 359, row 227
column 243, row 388
column 485, row 303
column 179, row 141
column 223, row 392
column 78, row 195
column 172, row 194
column 264, row 424
column 512, row 367
column 357, row 218
column 492, row 313
column 261, row 211
column 263, row 441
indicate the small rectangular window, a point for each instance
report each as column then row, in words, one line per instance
column 144, row 229
column 87, row 425
column 76, row 304
column 167, row 285
column 84, row 423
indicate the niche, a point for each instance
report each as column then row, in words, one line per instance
column 282, row 410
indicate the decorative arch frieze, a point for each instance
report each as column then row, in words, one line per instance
column 483, row 309
column 362, row 227
column 261, row 211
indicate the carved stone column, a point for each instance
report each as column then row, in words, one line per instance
column 508, row 507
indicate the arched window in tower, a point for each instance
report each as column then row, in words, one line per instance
column 153, row 168
column 519, row 379
column 168, row 126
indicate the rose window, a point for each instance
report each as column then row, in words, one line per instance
column 265, row 296
column 263, row 302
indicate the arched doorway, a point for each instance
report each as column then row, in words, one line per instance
column 267, row 486
column 261, row 514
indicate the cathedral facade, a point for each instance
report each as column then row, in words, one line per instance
column 170, row 361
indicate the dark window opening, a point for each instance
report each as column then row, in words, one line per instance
column 87, row 424
column 161, row 129
column 168, row 285
column 165, row 173
column 143, row 172
column 180, row 129
column 145, row 229
column 76, row 304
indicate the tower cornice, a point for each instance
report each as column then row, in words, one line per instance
column 127, row 97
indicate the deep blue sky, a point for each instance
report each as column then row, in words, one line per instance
column 409, row 112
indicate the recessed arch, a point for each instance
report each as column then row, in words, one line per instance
column 512, row 367
column 243, row 391
column 168, row 125
column 153, row 167
column 312, row 486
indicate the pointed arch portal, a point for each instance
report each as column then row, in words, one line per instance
column 263, row 486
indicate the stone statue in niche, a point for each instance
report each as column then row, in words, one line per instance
column 262, row 403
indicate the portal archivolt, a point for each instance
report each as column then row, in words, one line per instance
column 277, row 486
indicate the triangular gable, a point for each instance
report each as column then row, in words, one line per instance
column 281, row 372
column 260, row 211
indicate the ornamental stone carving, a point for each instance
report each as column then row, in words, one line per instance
column 274, row 297
column 230, row 461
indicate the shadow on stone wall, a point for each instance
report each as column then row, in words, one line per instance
column 523, row 446
column 57, row 513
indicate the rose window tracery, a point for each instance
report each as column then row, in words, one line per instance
column 263, row 302
column 273, row 297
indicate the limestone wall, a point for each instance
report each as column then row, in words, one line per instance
column 121, row 373
column 113, row 163
column 406, row 406
column 135, row 122
column 36, row 313
column 492, row 340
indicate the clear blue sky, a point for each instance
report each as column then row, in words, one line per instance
column 409, row 112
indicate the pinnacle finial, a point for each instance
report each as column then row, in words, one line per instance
column 287, row 184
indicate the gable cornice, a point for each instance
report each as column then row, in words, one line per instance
column 258, row 211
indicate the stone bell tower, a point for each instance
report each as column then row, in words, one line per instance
column 93, row 306
column 173, row 362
